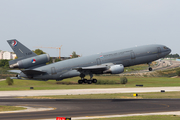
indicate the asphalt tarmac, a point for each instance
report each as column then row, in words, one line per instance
column 87, row 107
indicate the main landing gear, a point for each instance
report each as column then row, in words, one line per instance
column 150, row 68
column 83, row 80
column 87, row 81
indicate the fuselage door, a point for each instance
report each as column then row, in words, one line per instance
column 133, row 57
column 53, row 70
column 159, row 50
column 98, row 61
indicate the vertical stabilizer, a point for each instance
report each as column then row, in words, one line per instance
column 20, row 50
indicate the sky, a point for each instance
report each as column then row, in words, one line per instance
column 90, row 26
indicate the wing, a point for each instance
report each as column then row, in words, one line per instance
column 97, row 69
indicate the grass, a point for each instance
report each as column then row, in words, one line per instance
column 52, row 84
column 152, row 117
column 154, row 95
column 136, row 68
column 168, row 72
column 10, row 108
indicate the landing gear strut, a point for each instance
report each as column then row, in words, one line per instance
column 82, row 79
column 85, row 80
column 150, row 68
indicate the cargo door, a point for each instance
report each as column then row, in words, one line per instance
column 133, row 57
column 53, row 70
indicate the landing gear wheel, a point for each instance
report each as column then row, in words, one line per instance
column 80, row 81
column 94, row 81
column 85, row 81
column 89, row 81
column 150, row 69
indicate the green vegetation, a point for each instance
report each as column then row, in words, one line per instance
column 178, row 72
column 168, row 73
column 101, row 82
column 154, row 95
column 123, row 80
column 4, row 63
column 151, row 117
column 50, row 61
column 4, row 73
column 173, row 56
column 74, row 55
column 57, row 60
column 9, row 81
column 71, row 83
column 39, row 52
column 10, row 108
column 136, row 68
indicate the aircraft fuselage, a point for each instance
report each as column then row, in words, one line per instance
column 126, row 57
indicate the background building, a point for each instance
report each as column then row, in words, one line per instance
column 7, row 55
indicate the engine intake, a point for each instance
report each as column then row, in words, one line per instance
column 31, row 62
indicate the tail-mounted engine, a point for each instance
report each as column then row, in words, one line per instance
column 31, row 62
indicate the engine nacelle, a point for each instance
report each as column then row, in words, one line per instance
column 31, row 62
column 115, row 69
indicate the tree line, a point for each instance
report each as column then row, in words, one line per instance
column 173, row 56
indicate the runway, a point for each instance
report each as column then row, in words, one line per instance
column 86, row 91
column 87, row 107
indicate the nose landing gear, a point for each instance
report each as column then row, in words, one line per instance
column 150, row 68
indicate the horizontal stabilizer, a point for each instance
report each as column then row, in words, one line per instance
column 15, row 71
column 15, row 78
column 32, row 72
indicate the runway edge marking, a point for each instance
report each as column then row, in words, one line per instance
column 28, row 109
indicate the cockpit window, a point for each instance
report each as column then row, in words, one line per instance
column 165, row 47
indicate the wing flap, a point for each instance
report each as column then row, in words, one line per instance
column 97, row 69
column 91, row 68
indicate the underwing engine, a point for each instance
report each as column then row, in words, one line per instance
column 115, row 69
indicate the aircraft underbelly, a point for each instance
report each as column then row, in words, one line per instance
column 72, row 73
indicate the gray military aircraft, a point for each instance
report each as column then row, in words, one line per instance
column 33, row 66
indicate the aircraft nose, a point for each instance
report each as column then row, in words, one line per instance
column 169, row 50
